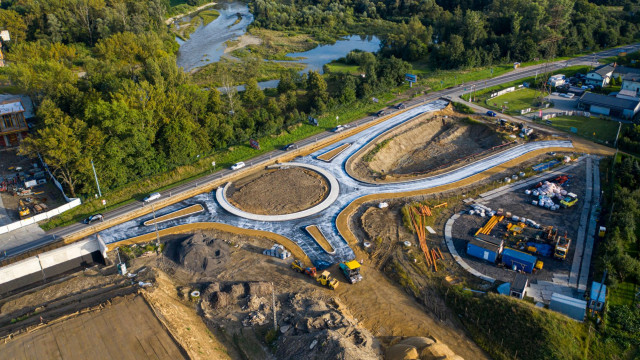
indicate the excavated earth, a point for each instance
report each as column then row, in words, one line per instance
column 278, row 192
column 428, row 144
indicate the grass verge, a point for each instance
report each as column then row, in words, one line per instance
column 596, row 129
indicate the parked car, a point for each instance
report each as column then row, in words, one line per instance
column 93, row 218
column 491, row 113
column 238, row 165
column 289, row 147
column 151, row 197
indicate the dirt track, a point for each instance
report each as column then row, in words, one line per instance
column 278, row 192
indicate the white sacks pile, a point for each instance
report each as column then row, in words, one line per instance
column 277, row 251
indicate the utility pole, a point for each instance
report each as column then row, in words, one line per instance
column 155, row 223
column 273, row 304
column 96, row 176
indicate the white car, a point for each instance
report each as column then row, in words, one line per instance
column 237, row 166
column 152, row 197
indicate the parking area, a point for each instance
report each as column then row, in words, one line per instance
column 562, row 103
column 24, row 189
column 520, row 204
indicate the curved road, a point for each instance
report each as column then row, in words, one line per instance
column 55, row 234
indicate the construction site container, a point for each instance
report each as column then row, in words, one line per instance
column 491, row 240
column 518, row 261
column 483, row 250
column 572, row 307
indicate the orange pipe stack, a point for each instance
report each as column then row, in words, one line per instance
column 440, row 205
column 418, row 224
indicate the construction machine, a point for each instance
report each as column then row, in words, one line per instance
column 516, row 229
column 23, row 210
column 326, row 280
column 298, row 266
column 351, row 270
column 562, row 247
column 569, row 200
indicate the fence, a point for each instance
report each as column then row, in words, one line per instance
column 563, row 113
column 505, row 91
column 43, row 216
column 71, row 203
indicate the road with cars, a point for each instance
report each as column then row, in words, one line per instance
column 448, row 93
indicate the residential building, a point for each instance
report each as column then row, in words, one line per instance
column 13, row 126
column 600, row 76
column 631, row 82
column 622, row 71
column 557, row 80
column 609, row 105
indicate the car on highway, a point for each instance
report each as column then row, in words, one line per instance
column 151, row 197
column 238, row 165
column 381, row 113
column 93, row 218
column 401, row 106
column 289, row 147
column 491, row 113
column 340, row 128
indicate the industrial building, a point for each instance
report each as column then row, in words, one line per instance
column 609, row 105
column 572, row 307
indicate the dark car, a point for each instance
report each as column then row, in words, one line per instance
column 401, row 106
column 381, row 113
column 289, row 147
column 491, row 113
column 93, row 218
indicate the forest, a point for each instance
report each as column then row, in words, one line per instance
column 104, row 79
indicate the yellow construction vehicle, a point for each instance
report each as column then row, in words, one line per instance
column 298, row 266
column 326, row 280
column 351, row 270
column 23, row 210
column 516, row 229
column 562, row 247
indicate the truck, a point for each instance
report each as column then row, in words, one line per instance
column 562, row 247
column 351, row 270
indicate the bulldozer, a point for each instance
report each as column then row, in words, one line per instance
column 326, row 280
column 298, row 266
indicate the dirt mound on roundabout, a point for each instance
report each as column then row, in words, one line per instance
column 279, row 191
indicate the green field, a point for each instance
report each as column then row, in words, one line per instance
column 593, row 128
column 515, row 101
column 623, row 294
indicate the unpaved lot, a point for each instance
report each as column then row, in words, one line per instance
column 124, row 329
column 280, row 191
column 427, row 144
column 518, row 203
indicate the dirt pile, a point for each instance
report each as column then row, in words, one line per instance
column 202, row 254
column 309, row 328
column 426, row 144
column 420, row 348
column 277, row 192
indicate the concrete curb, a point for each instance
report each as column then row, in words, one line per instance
column 452, row 249
column 334, row 190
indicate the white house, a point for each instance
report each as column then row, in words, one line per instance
column 631, row 82
column 600, row 76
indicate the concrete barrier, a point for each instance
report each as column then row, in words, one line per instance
column 43, row 216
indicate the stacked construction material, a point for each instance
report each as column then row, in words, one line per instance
column 546, row 192
column 277, row 251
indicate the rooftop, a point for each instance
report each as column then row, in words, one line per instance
column 490, row 239
column 625, row 70
column 519, row 283
column 11, row 107
column 485, row 245
column 595, row 287
column 604, row 70
column 557, row 297
column 609, row 101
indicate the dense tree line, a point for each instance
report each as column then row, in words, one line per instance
column 107, row 88
column 466, row 33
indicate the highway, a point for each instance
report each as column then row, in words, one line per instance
column 448, row 93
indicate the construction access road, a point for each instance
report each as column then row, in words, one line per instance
column 130, row 210
column 349, row 189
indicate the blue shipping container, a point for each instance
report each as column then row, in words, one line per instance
column 474, row 248
column 517, row 260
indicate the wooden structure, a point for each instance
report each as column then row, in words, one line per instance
column 13, row 126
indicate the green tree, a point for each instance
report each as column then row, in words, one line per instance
column 252, row 96
column 317, row 91
column 12, row 21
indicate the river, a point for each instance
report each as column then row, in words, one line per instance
column 207, row 43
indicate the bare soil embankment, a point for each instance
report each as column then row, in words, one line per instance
column 424, row 146
column 278, row 192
